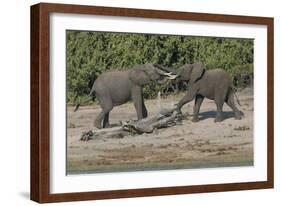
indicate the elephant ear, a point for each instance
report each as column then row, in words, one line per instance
column 185, row 71
column 197, row 71
column 138, row 75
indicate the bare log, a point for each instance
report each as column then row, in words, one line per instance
column 114, row 132
column 165, row 118
column 148, row 125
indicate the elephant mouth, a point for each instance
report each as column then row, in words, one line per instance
column 162, row 80
column 166, row 72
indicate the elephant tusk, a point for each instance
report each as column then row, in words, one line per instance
column 172, row 76
column 169, row 74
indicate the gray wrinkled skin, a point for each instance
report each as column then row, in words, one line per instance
column 213, row 84
column 118, row 87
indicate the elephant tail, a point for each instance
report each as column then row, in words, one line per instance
column 234, row 92
column 90, row 96
column 92, row 92
column 237, row 98
column 76, row 107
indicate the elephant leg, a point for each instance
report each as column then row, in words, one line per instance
column 106, row 121
column 139, row 111
column 99, row 119
column 198, row 101
column 106, row 105
column 231, row 104
column 144, row 110
column 219, row 102
column 187, row 98
column 137, row 98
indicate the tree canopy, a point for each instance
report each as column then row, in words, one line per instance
column 88, row 54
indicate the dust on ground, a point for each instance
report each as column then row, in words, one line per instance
column 188, row 145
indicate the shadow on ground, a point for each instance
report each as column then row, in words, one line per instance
column 212, row 114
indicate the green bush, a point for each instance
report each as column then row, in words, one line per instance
column 89, row 54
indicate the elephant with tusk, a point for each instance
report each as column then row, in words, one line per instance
column 213, row 84
column 115, row 88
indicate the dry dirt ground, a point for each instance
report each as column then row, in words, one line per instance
column 202, row 144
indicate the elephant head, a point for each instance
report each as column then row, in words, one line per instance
column 191, row 72
column 143, row 74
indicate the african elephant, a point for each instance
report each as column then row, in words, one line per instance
column 114, row 88
column 214, row 84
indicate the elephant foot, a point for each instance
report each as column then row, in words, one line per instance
column 107, row 126
column 97, row 125
column 237, row 117
column 219, row 119
column 241, row 113
column 195, row 119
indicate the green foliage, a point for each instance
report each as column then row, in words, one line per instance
column 91, row 53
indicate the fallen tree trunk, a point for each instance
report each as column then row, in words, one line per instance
column 114, row 132
column 165, row 118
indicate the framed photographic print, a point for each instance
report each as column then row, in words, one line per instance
column 132, row 102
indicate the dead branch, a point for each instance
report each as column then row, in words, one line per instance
column 164, row 118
